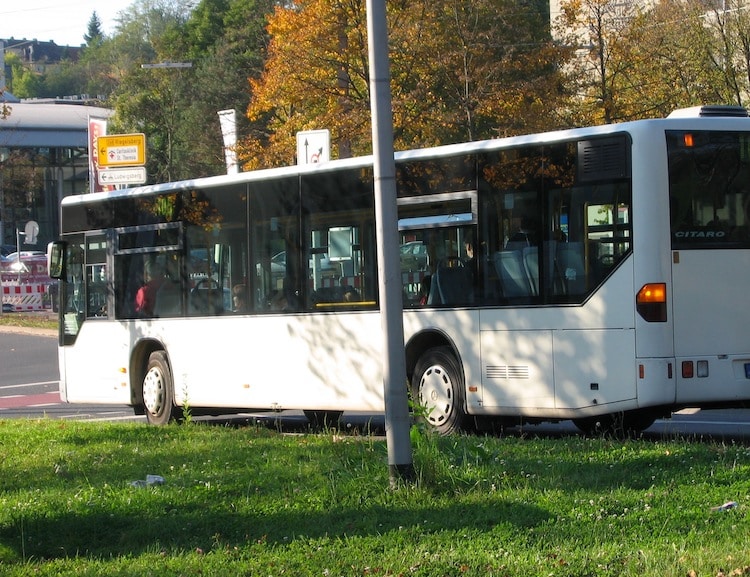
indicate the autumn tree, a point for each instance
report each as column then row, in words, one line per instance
column 461, row 70
column 728, row 49
column 647, row 62
column 669, row 50
column 495, row 68
column 596, row 31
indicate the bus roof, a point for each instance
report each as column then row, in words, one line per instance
column 724, row 117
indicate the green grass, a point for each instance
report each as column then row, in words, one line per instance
column 250, row 501
column 29, row 320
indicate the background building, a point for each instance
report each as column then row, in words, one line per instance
column 43, row 158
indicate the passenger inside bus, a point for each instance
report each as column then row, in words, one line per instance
column 145, row 298
column 239, row 299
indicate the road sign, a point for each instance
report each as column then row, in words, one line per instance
column 131, row 175
column 121, row 150
column 313, row 146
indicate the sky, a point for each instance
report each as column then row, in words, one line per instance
column 63, row 21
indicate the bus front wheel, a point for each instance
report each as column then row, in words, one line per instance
column 437, row 390
column 157, row 390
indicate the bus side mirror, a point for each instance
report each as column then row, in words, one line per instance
column 56, row 259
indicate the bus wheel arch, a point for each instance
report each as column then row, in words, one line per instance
column 437, row 384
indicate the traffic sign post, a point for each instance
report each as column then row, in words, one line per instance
column 127, row 175
column 121, row 150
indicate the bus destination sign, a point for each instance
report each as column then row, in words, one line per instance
column 121, row 150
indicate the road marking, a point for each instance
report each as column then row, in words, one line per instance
column 40, row 400
column 24, row 385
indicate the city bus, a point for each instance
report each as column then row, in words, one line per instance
column 595, row 274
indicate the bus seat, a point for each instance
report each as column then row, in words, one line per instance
column 168, row 300
column 531, row 266
column 570, row 263
column 451, row 285
column 512, row 273
column 207, row 301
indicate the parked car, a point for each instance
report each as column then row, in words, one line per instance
column 414, row 256
column 32, row 262
column 24, row 254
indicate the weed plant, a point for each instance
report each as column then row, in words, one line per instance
column 250, row 501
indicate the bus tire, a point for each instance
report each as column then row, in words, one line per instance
column 437, row 388
column 157, row 390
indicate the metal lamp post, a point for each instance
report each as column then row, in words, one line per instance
column 4, row 153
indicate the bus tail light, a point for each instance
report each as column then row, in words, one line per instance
column 651, row 302
column 698, row 369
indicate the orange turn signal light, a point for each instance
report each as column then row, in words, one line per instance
column 652, row 293
column 651, row 302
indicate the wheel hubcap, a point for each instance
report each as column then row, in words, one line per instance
column 153, row 391
column 436, row 394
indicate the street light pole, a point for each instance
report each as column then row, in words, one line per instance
column 4, row 154
column 3, row 158
column 18, row 254
column 397, row 419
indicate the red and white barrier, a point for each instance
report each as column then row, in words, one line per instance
column 26, row 296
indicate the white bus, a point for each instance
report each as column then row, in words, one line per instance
column 597, row 274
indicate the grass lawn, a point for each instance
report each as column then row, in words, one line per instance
column 40, row 320
column 250, row 501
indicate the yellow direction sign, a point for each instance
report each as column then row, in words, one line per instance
column 121, row 150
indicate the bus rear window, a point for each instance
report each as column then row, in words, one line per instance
column 709, row 188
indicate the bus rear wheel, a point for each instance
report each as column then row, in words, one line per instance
column 157, row 390
column 437, row 390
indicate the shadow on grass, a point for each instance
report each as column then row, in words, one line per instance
column 169, row 527
column 279, row 489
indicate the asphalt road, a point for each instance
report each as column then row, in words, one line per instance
column 29, row 381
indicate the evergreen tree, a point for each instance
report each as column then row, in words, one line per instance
column 94, row 35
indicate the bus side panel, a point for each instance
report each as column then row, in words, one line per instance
column 712, row 325
column 590, row 363
column 594, row 367
column 91, row 368
column 709, row 302
column 324, row 361
column 517, row 368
